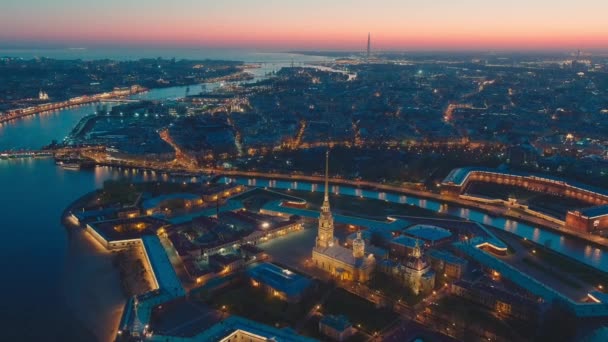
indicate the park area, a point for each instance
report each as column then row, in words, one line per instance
column 125, row 192
column 363, row 314
column 258, row 305
column 256, row 198
column 363, row 207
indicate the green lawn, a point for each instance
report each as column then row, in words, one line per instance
column 465, row 312
column 125, row 192
column 393, row 289
column 253, row 200
column 363, row 207
column 579, row 270
column 255, row 304
column 358, row 311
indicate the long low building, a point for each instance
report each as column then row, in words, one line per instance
column 236, row 329
column 123, row 233
column 432, row 235
column 161, row 266
column 595, row 309
column 591, row 219
column 167, row 286
column 498, row 300
column 274, row 230
column 279, row 282
column 456, row 181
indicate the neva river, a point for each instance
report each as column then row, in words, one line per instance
column 45, row 284
column 44, row 281
column 574, row 248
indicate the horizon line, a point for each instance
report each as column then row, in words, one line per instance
column 436, row 49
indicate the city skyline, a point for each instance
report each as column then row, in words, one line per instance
column 304, row 171
column 339, row 25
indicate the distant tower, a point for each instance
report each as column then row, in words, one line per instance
column 325, row 236
column 369, row 44
column 358, row 246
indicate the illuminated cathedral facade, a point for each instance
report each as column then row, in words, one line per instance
column 414, row 271
column 327, row 254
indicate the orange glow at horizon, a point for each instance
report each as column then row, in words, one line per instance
column 339, row 24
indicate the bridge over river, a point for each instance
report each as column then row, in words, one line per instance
column 25, row 154
column 51, row 152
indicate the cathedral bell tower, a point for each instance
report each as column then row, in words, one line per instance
column 325, row 235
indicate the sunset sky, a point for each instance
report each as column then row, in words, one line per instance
column 310, row 24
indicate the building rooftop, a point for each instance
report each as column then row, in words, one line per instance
column 194, row 270
column 597, row 211
column 531, row 284
column 498, row 293
column 224, row 259
column 182, row 244
column 161, row 266
column 234, row 324
column 339, row 322
column 228, row 206
column 459, row 176
column 96, row 215
column 217, row 188
column 406, row 241
column 488, row 239
column 599, row 297
column 598, row 335
column 137, row 317
column 428, row 232
column 377, row 252
column 280, row 279
column 446, row 256
column 126, row 229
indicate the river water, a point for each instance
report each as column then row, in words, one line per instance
column 38, row 254
column 576, row 249
column 39, row 257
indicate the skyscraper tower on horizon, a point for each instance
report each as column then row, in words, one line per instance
column 369, row 44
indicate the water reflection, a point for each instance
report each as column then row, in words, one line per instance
column 563, row 244
column 536, row 234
